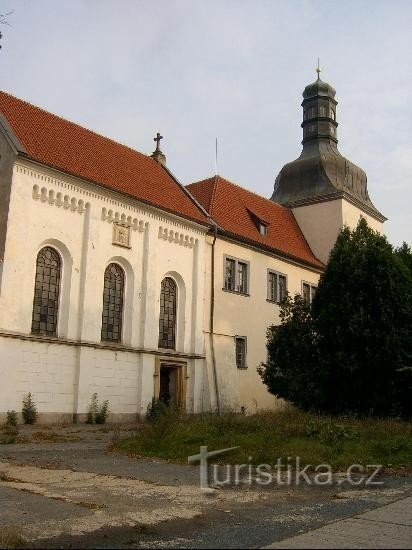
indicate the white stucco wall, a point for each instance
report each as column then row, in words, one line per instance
column 250, row 316
column 76, row 218
column 321, row 223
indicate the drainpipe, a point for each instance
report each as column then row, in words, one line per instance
column 212, row 315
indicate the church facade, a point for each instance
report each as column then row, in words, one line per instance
column 116, row 279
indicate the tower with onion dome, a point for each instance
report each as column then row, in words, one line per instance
column 324, row 189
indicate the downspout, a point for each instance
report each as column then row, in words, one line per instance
column 212, row 316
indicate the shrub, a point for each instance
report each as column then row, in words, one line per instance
column 29, row 410
column 102, row 413
column 11, row 418
column 97, row 413
column 156, row 410
column 91, row 413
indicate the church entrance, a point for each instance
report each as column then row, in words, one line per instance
column 171, row 385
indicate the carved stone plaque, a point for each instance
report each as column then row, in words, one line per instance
column 121, row 235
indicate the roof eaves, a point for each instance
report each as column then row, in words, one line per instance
column 318, row 265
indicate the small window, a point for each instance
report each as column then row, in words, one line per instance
column 236, row 275
column 322, row 110
column 263, row 229
column 311, row 112
column 308, row 292
column 332, row 114
column 276, row 287
column 240, row 350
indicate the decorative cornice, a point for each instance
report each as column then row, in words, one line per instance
column 58, row 199
column 121, row 219
column 114, row 198
column 176, row 237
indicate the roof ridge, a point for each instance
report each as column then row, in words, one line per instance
column 269, row 201
column 75, row 124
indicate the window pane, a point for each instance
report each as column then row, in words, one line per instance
column 167, row 319
column 306, row 292
column 242, row 277
column 313, row 289
column 113, row 303
column 240, row 348
column 46, row 292
column 282, row 288
column 230, row 274
column 272, row 286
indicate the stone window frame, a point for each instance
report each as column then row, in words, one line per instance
column 242, row 364
column 237, row 261
column 278, row 274
column 312, row 291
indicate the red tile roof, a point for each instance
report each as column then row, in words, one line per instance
column 58, row 143
column 236, row 210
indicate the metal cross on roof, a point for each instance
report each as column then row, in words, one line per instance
column 157, row 140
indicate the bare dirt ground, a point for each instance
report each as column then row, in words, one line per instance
column 61, row 488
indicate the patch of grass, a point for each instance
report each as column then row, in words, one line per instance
column 11, row 537
column 267, row 436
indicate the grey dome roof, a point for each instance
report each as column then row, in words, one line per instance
column 320, row 171
column 319, row 88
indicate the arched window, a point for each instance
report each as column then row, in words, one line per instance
column 113, row 303
column 46, row 292
column 167, row 320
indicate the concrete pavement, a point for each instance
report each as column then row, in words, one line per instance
column 387, row 527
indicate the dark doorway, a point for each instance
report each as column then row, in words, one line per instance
column 170, row 380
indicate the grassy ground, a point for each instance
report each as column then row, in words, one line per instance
column 268, row 436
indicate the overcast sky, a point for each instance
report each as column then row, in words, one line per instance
column 234, row 69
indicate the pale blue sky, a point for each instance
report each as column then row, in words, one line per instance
column 194, row 70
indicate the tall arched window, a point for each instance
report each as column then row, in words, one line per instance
column 46, row 292
column 167, row 320
column 113, row 303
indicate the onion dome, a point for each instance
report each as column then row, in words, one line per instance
column 321, row 172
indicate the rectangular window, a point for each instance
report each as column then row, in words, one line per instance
column 230, row 274
column 242, row 277
column 276, row 287
column 236, row 275
column 240, row 348
column 308, row 292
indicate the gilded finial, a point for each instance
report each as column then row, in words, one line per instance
column 318, row 70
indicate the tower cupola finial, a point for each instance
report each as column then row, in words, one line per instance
column 318, row 70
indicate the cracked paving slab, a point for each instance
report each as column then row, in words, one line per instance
column 109, row 501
